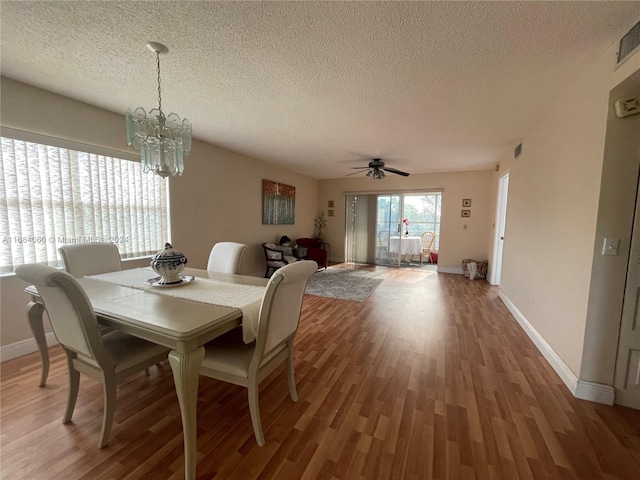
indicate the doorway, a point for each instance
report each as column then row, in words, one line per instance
column 501, row 221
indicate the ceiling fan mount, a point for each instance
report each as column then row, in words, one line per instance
column 376, row 170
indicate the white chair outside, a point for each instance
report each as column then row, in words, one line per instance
column 229, row 359
column 427, row 239
column 226, row 257
column 106, row 358
column 90, row 258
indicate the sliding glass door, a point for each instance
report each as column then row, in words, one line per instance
column 401, row 221
column 387, row 229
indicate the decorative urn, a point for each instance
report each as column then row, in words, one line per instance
column 168, row 263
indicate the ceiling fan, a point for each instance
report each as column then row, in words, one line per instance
column 376, row 170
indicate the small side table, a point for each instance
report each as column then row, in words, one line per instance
column 327, row 247
column 300, row 252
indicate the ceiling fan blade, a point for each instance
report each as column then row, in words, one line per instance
column 393, row 170
column 359, row 168
column 354, row 173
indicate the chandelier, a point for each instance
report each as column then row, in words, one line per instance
column 163, row 142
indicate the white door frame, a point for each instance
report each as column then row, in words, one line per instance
column 495, row 271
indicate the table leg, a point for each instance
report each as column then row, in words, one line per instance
column 186, row 373
column 34, row 315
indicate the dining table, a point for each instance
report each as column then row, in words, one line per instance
column 183, row 318
column 406, row 246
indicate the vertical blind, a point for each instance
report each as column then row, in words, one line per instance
column 51, row 196
column 357, row 235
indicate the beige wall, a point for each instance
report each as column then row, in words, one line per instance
column 219, row 197
column 456, row 243
column 552, row 211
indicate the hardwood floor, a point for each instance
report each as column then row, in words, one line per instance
column 430, row 377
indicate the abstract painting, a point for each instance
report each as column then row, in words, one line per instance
column 278, row 203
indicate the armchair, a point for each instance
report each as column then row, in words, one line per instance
column 276, row 257
column 315, row 250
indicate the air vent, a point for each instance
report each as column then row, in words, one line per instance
column 517, row 152
column 629, row 43
column 627, row 107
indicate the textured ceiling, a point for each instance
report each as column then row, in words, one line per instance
column 320, row 87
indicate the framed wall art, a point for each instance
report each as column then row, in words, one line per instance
column 278, row 203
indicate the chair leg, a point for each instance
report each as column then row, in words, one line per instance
column 109, row 389
column 74, row 384
column 290, row 374
column 254, row 409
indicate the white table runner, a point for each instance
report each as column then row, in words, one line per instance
column 247, row 298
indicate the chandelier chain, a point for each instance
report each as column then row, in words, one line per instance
column 159, row 92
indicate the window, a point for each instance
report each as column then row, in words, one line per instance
column 51, row 196
column 423, row 212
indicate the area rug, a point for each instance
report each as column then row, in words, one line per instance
column 343, row 284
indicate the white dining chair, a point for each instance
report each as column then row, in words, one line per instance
column 226, row 257
column 79, row 260
column 229, row 359
column 103, row 357
column 90, row 258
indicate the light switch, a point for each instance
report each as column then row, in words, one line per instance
column 610, row 246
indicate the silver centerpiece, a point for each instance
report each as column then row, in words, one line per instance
column 168, row 263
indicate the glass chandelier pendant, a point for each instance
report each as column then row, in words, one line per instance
column 163, row 142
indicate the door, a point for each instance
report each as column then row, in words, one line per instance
column 627, row 376
column 388, row 224
column 501, row 222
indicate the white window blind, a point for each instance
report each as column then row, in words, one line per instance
column 357, row 234
column 51, row 196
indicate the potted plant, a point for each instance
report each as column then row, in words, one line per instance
column 320, row 223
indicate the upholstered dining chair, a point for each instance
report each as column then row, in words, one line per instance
column 87, row 259
column 225, row 257
column 229, row 359
column 105, row 358
column 427, row 239
column 90, row 258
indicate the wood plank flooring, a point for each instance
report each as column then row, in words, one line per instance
column 430, row 377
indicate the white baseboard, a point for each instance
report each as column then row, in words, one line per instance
column 24, row 347
column 582, row 389
column 456, row 270
column 595, row 392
